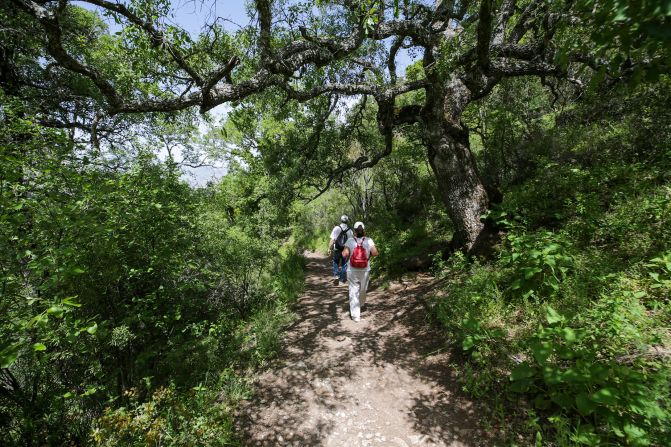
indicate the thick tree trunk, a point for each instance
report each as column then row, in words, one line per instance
column 460, row 186
column 453, row 164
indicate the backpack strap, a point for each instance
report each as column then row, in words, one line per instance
column 338, row 237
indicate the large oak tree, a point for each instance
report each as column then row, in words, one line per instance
column 305, row 51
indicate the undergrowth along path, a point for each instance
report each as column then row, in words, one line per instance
column 384, row 381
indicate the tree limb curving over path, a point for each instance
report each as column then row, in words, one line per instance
column 384, row 381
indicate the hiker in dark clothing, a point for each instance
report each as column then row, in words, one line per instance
column 339, row 236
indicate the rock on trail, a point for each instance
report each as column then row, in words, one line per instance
column 378, row 382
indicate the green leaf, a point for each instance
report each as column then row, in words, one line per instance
column 521, row 386
column 498, row 333
column 40, row 320
column 522, row 371
column 467, row 343
column 584, row 404
column 564, row 400
column 565, row 353
column 541, row 403
column 9, row 354
column 621, row 14
column 92, row 329
column 552, row 376
column 39, row 347
column 635, row 435
column 90, row 390
column 605, row 396
column 585, row 435
column 552, row 316
column 573, row 375
column 541, row 351
column 471, row 323
column 616, row 429
column 569, row 335
column 598, row 373
column 531, row 272
column 56, row 311
column 69, row 302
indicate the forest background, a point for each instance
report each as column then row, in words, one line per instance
column 137, row 308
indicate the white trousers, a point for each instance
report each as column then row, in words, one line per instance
column 358, row 283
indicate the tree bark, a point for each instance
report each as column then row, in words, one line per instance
column 461, row 188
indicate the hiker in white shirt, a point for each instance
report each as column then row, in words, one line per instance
column 359, row 249
column 335, row 247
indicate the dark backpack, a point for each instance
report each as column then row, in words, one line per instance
column 341, row 239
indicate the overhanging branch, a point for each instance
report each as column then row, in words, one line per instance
column 484, row 34
column 49, row 22
column 263, row 7
column 526, row 20
column 506, row 11
column 352, row 89
column 157, row 37
column 512, row 67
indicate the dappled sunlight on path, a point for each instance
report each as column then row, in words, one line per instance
column 381, row 382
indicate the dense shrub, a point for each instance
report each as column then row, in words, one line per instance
column 569, row 322
column 126, row 295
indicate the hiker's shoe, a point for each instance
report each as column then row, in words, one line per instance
column 356, row 319
column 335, row 281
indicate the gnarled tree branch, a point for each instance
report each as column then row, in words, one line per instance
column 484, row 33
column 49, row 21
column 157, row 37
column 263, row 7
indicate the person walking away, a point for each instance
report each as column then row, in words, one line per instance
column 339, row 236
column 359, row 249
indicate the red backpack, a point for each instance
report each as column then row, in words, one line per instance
column 359, row 257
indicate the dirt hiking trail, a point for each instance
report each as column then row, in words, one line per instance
column 378, row 382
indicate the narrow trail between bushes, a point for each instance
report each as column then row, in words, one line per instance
column 384, row 381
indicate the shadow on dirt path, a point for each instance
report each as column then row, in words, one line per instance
column 383, row 381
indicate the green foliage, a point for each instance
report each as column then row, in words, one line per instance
column 586, row 213
column 607, row 400
column 125, row 292
column 661, row 271
column 629, row 30
column 538, row 262
column 168, row 417
column 125, row 289
column 476, row 336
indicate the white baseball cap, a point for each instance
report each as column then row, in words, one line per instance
column 344, row 218
column 359, row 224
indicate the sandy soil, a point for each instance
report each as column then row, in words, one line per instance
column 384, row 381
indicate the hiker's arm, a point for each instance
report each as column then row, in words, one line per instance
column 345, row 252
column 373, row 251
column 330, row 246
